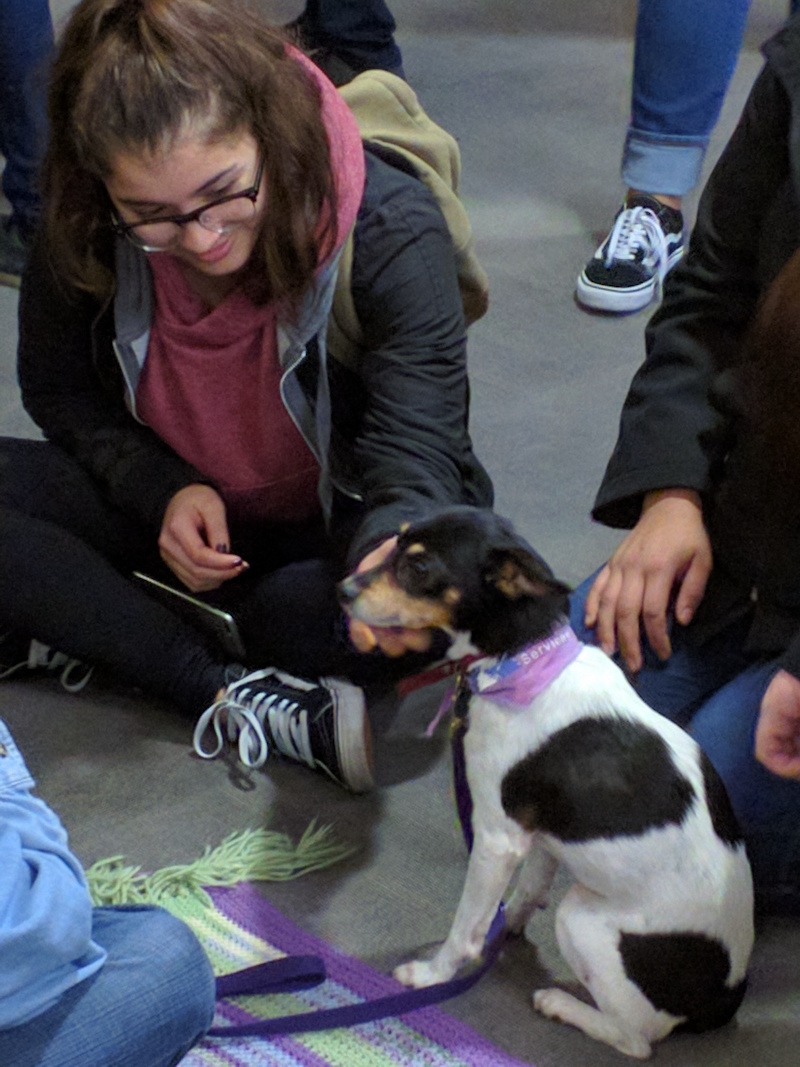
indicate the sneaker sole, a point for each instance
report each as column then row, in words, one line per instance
column 619, row 300
column 353, row 736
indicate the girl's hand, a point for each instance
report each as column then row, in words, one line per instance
column 194, row 539
column 667, row 550
column 392, row 641
column 778, row 730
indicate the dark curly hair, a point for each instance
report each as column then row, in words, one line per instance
column 131, row 75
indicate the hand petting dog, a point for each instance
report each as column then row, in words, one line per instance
column 393, row 641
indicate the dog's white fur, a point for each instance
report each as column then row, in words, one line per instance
column 677, row 878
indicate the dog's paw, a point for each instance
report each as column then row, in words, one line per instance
column 562, row 1007
column 554, row 1003
column 417, row 973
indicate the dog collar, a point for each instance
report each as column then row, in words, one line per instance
column 516, row 680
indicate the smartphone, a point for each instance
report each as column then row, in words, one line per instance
column 220, row 624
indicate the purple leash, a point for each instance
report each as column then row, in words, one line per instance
column 304, row 972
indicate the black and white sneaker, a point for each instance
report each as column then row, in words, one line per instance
column 628, row 269
column 322, row 724
column 18, row 654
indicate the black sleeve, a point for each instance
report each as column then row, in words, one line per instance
column 75, row 396
column 413, row 451
column 670, row 433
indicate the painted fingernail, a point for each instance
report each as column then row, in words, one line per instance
column 222, row 547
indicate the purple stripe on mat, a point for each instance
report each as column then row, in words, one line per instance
column 245, row 906
column 295, row 1050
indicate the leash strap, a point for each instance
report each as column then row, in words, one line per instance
column 366, row 1011
column 435, row 673
column 458, row 730
column 285, row 975
column 304, row 972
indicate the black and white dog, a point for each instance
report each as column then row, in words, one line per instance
column 566, row 764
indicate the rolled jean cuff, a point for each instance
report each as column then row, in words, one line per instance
column 662, row 164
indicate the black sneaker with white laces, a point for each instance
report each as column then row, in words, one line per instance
column 628, row 269
column 322, row 724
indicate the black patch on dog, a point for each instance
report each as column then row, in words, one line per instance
column 685, row 975
column 725, row 823
column 605, row 777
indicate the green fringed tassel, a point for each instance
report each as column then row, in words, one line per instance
column 244, row 856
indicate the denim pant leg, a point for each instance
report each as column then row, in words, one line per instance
column 152, row 1000
column 684, row 57
column 767, row 806
column 360, row 32
column 26, row 41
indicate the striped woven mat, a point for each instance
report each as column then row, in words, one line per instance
column 243, row 929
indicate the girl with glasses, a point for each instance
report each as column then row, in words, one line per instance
column 201, row 180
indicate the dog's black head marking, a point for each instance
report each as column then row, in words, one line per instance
column 496, row 587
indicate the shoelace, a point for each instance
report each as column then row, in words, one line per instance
column 40, row 655
column 638, row 229
column 244, row 711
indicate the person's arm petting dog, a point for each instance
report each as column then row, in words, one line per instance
column 667, row 551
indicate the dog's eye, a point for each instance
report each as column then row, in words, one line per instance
column 420, row 565
column 416, row 564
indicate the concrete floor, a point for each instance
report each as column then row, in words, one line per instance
column 537, row 94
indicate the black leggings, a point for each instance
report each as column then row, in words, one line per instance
column 67, row 555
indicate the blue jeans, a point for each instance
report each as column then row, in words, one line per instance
column 148, row 1005
column 685, row 53
column 26, row 42
column 714, row 691
column 360, row 32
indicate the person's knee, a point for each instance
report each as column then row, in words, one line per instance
column 178, row 972
column 182, row 968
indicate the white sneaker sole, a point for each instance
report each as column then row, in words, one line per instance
column 353, row 735
column 617, row 300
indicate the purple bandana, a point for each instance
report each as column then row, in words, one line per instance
column 516, row 680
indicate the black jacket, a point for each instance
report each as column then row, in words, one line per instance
column 399, row 441
column 676, row 427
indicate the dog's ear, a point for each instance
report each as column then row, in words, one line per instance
column 519, row 572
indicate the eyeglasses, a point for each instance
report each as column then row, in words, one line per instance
column 219, row 216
